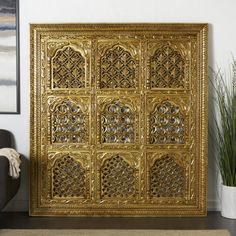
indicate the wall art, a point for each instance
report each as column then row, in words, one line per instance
column 9, row 57
column 118, row 119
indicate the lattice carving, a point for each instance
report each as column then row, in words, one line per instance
column 167, row 68
column 68, row 178
column 117, row 123
column 117, row 178
column 166, row 124
column 117, row 69
column 69, row 124
column 68, row 69
column 166, row 178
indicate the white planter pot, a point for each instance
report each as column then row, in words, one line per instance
column 228, row 202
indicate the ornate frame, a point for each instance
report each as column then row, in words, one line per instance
column 166, row 62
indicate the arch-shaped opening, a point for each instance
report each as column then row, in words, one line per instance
column 117, row 123
column 68, row 123
column 68, row 178
column 117, row 178
column 166, row 124
column 68, row 68
column 167, row 68
column 117, row 68
column 166, row 178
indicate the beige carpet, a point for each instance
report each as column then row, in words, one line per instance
column 44, row 232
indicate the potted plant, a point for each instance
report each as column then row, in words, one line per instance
column 224, row 88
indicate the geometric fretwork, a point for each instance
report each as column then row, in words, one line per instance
column 68, row 123
column 166, row 124
column 117, row 69
column 117, row 178
column 68, row 69
column 68, row 178
column 166, row 68
column 117, row 124
column 166, row 178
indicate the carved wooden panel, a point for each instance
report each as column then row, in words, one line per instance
column 117, row 68
column 117, row 123
column 166, row 68
column 166, row 178
column 68, row 69
column 68, row 178
column 118, row 119
column 117, row 178
column 166, row 124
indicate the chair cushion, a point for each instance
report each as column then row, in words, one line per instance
column 8, row 185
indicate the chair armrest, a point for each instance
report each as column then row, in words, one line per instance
column 8, row 185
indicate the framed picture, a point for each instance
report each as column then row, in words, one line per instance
column 9, row 57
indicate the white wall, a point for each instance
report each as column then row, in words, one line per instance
column 222, row 42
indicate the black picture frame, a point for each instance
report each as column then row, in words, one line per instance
column 10, row 10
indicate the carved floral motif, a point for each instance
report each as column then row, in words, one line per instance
column 117, row 123
column 117, row 68
column 68, row 178
column 68, row 69
column 167, row 124
column 69, row 123
column 167, row 68
column 117, row 178
column 167, row 178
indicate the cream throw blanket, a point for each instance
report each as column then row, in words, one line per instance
column 14, row 161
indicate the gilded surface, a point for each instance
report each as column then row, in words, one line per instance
column 166, row 124
column 168, row 64
column 117, row 124
column 68, row 69
column 117, row 69
column 68, row 178
column 166, row 178
column 117, row 178
column 68, row 123
column 118, row 119
column 166, row 68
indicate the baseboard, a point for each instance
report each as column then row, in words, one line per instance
column 213, row 205
column 23, row 205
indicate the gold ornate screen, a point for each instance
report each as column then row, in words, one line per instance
column 118, row 119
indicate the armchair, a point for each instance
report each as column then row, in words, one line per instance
column 8, row 185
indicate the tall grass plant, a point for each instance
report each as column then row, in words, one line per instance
column 225, row 123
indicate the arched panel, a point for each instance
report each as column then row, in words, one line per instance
column 68, row 69
column 166, row 178
column 117, row 178
column 167, row 124
column 117, row 68
column 69, row 124
column 167, row 68
column 117, row 123
column 68, row 178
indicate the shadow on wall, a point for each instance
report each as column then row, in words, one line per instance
column 213, row 174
